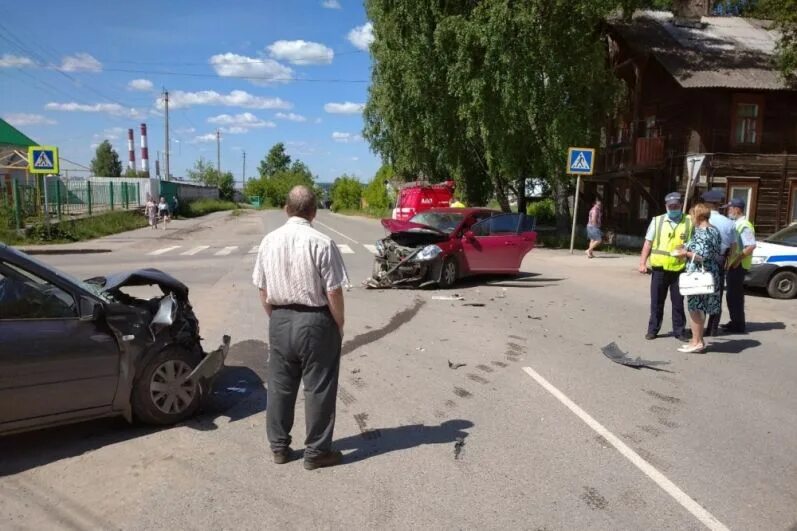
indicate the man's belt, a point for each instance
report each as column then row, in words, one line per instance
column 300, row 308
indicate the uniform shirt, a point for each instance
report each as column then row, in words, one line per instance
column 747, row 235
column 296, row 264
column 726, row 228
column 650, row 235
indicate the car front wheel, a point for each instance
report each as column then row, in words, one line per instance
column 448, row 276
column 783, row 285
column 163, row 394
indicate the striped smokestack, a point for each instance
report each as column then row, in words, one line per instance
column 131, row 151
column 144, row 150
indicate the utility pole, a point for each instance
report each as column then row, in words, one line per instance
column 218, row 151
column 166, row 105
column 243, row 173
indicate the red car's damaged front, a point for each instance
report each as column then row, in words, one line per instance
column 438, row 246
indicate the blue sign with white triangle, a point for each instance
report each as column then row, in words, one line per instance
column 43, row 159
column 580, row 161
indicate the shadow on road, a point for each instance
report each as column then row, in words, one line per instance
column 238, row 392
column 765, row 327
column 373, row 443
column 733, row 346
column 521, row 280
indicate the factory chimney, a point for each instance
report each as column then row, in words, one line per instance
column 144, row 150
column 131, row 151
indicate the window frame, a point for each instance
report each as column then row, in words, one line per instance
column 38, row 279
column 752, row 196
column 490, row 220
column 747, row 99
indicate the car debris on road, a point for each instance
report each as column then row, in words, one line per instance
column 613, row 352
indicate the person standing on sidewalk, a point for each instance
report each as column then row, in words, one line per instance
column 727, row 230
column 666, row 234
column 594, row 221
column 740, row 263
column 301, row 276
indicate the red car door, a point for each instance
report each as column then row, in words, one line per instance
column 496, row 245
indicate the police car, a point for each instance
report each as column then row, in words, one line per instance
column 775, row 264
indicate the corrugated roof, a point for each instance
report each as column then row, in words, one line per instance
column 727, row 52
column 11, row 136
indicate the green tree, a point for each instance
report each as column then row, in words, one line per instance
column 206, row 173
column 346, row 193
column 376, row 192
column 276, row 160
column 106, row 161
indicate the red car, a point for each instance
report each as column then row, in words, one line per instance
column 440, row 245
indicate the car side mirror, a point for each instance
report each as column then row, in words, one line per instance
column 90, row 310
column 469, row 235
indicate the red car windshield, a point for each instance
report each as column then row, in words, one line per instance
column 443, row 221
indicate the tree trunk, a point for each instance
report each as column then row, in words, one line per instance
column 521, row 195
column 500, row 193
column 562, row 206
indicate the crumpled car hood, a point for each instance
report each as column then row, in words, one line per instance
column 395, row 226
column 142, row 277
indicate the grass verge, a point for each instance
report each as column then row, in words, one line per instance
column 375, row 214
column 77, row 230
column 203, row 207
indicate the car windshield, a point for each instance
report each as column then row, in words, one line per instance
column 787, row 236
column 94, row 290
column 443, row 221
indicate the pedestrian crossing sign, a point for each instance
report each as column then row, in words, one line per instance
column 43, row 159
column 580, row 161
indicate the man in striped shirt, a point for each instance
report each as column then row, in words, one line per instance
column 301, row 277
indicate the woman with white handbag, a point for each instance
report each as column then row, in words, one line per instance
column 701, row 279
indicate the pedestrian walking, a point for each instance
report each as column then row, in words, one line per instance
column 740, row 263
column 151, row 211
column 594, row 221
column 701, row 251
column 727, row 230
column 163, row 211
column 665, row 235
column 301, row 275
column 175, row 206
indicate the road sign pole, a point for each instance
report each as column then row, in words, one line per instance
column 575, row 213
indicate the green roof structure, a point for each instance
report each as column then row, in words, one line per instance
column 11, row 136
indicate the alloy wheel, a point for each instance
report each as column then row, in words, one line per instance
column 170, row 389
column 450, row 273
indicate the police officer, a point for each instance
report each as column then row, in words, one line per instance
column 738, row 266
column 666, row 233
column 727, row 230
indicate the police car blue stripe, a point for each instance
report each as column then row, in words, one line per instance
column 783, row 258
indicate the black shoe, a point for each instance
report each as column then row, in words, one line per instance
column 731, row 328
column 282, row 456
column 650, row 336
column 324, row 460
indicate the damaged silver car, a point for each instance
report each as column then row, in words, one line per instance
column 74, row 350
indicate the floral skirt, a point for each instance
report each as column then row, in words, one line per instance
column 708, row 304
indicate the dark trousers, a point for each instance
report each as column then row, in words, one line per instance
column 735, row 298
column 305, row 346
column 661, row 282
column 713, row 322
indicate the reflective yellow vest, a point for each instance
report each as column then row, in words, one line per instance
column 747, row 261
column 666, row 239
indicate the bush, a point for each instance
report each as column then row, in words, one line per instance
column 346, row 193
column 79, row 229
column 376, row 198
column 273, row 191
column 203, row 207
column 543, row 211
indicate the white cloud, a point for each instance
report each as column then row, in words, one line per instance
column 185, row 131
column 204, row 139
column 109, row 108
column 21, row 119
column 291, row 117
column 346, row 138
column 112, row 133
column 239, row 123
column 8, row 60
column 331, row 4
column 140, row 85
column 344, row 108
column 258, row 71
column 355, row 159
column 301, row 52
column 236, row 98
column 362, row 36
column 80, row 62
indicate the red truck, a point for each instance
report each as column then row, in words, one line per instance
column 418, row 196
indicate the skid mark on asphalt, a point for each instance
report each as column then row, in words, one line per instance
column 594, row 499
column 664, row 398
column 397, row 321
column 345, row 396
column 519, row 338
column 477, row 378
column 484, row 368
column 362, row 423
column 462, row 393
column 499, row 364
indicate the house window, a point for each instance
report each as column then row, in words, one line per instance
column 651, row 130
column 643, row 208
column 747, row 191
column 747, row 120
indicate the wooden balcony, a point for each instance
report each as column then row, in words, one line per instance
column 649, row 151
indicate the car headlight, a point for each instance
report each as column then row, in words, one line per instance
column 380, row 248
column 430, row 252
column 757, row 260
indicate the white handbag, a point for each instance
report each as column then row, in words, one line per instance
column 697, row 282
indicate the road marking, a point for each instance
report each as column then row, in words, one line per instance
column 254, row 249
column 195, row 250
column 660, row 479
column 345, row 249
column 371, row 248
column 164, row 250
column 335, row 231
column 226, row 251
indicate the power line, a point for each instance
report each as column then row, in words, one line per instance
column 216, row 76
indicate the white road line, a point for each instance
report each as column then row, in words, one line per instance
column 164, row 250
column 254, row 249
column 335, row 231
column 660, row 479
column 371, row 248
column 345, row 249
column 226, row 251
column 195, row 250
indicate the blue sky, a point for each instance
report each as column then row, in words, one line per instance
column 296, row 71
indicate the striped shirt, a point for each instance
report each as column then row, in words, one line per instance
column 296, row 264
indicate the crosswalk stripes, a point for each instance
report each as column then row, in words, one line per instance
column 370, row 248
column 195, row 250
column 345, row 249
column 226, row 251
column 164, row 250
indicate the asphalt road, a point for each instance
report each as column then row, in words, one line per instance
column 555, row 435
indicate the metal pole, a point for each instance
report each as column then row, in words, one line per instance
column 111, row 195
column 218, row 151
column 689, row 185
column 575, row 214
column 17, row 203
column 166, row 105
column 88, row 193
column 243, row 173
column 58, row 197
